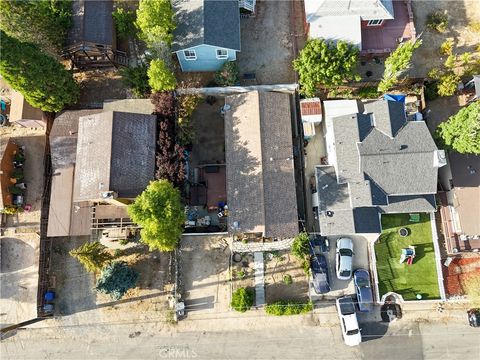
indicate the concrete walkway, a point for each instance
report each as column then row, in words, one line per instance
column 238, row 246
column 259, row 279
column 231, row 90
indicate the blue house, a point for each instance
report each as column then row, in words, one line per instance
column 207, row 33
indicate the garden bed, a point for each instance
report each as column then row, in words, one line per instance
column 419, row 278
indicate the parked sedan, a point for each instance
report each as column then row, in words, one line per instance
column 348, row 321
column 319, row 267
column 344, row 258
column 361, row 279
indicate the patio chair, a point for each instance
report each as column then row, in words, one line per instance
column 414, row 217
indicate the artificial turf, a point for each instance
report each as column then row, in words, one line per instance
column 406, row 280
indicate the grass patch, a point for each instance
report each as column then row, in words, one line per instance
column 280, row 308
column 406, row 280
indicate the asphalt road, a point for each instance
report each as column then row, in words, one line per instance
column 400, row 341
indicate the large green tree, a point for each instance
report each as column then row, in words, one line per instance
column 397, row 63
column 160, row 77
column 160, row 213
column 93, row 256
column 155, row 21
column 116, row 279
column 326, row 63
column 461, row 132
column 42, row 22
column 43, row 81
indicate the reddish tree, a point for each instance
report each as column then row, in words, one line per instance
column 170, row 156
column 164, row 102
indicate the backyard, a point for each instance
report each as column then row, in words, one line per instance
column 419, row 278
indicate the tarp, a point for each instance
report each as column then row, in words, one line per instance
column 393, row 97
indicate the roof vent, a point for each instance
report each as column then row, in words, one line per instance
column 403, row 147
column 329, row 213
column 109, row 195
column 439, row 158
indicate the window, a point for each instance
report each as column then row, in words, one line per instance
column 374, row 22
column 190, row 54
column 222, row 54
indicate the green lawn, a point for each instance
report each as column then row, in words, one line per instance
column 406, row 280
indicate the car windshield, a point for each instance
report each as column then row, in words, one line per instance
column 346, row 252
column 352, row 332
column 363, row 282
column 345, row 273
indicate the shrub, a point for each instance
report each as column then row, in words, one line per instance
column 228, row 75
column 431, row 90
column 465, row 58
column 240, row 274
column 287, row 279
column 116, row 279
column 187, row 104
column 447, row 47
column 124, row 23
column 160, row 77
column 435, row 73
column 368, row 92
column 451, row 61
column 447, row 84
column 11, row 210
column 280, row 308
column 164, row 103
column 93, row 256
column 242, row 299
column 301, row 246
column 155, row 21
column 136, row 79
column 326, row 63
column 474, row 26
column 437, row 21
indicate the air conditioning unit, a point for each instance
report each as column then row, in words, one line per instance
column 109, row 195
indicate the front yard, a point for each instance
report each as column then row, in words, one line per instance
column 407, row 280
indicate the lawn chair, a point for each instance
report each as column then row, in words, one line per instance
column 414, row 218
column 408, row 254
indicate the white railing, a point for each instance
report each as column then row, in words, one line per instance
column 247, row 5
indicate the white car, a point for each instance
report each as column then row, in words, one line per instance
column 348, row 321
column 344, row 258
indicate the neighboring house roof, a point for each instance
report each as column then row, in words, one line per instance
column 380, row 161
column 330, row 28
column 366, row 9
column 466, row 186
column 210, row 22
column 104, row 140
column 259, row 156
column 63, row 137
column 311, row 110
column 92, row 22
column 20, row 109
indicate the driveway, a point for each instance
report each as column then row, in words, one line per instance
column 360, row 260
column 267, row 43
column 204, row 270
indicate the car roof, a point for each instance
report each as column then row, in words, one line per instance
column 366, row 294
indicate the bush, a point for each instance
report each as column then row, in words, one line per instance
column 301, row 246
column 431, row 90
column 155, row 21
column 447, row 84
column 136, row 79
column 11, row 210
column 287, row 279
column 437, row 21
column 451, row 61
column 124, row 23
column 160, row 77
column 164, row 102
column 187, row 104
column 447, row 47
column 116, row 279
column 242, row 299
column 93, row 256
column 368, row 92
column 280, row 308
column 228, row 75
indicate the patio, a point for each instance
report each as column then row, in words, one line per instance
column 419, row 278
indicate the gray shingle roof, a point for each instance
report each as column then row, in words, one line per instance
column 211, row 22
column 388, row 116
column 390, row 169
column 259, row 155
column 115, row 152
column 92, row 22
column 367, row 9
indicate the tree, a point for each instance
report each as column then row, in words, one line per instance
column 242, row 299
column 160, row 213
column 116, row 279
column 462, row 131
column 164, row 103
column 44, row 23
column 397, row 63
column 301, row 250
column 170, row 155
column 447, row 83
column 92, row 256
column 43, row 81
column 155, row 22
column 228, row 75
column 124, row 23
column 327, row 63
column 160, row 77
